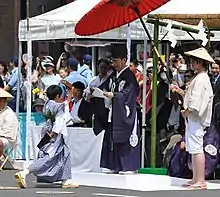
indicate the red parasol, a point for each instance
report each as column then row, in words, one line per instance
column 110, row 14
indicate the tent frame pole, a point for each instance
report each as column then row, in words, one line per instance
column 154, row 99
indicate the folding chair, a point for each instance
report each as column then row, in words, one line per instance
column 5, row 158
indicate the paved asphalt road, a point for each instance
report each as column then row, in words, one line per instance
column 33, row 190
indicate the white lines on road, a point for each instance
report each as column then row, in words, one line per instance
column 112, row 195
column 8, row 188
column 53, row 192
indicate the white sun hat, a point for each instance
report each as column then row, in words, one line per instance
column 201, row 53
column 47, row 61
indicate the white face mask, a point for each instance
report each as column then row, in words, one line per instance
column 163, row 76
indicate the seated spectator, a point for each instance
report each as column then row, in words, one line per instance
column 80, row 109
column 38, row 105
column 179, row 162
column 8, row 122
column 63, row 72
column 12, row 85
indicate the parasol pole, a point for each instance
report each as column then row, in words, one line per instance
column 28, row 14
column 156, row 57
column 168, row 64
column 154, row 99
column 149, row 36
column 144, row 104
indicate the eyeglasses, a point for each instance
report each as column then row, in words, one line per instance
column 115, row 59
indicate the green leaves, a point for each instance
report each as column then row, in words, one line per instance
column 50, row 116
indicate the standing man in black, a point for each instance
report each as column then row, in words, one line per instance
column 215, row 80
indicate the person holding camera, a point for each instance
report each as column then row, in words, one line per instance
column 179, row 67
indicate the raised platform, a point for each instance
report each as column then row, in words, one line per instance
column 139, row 182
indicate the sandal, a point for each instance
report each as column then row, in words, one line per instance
column 20, row 180
column 71, row 185
column 197, row 187
column 189, row 183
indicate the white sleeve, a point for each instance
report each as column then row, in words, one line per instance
column 92, row 79
column 87, row 90
column 58, row 124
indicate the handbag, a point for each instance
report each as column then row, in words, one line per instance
column 45, row 140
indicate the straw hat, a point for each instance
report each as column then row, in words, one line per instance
column 200, row 53
column 5, row 94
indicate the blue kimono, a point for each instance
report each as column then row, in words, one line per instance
column 178, row 163
column 211, row 149
column 53, row 161
column 121, row 144
column 180, row 160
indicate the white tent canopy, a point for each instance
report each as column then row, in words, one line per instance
column 60, row 23
column 189, row 7
column 191, row 11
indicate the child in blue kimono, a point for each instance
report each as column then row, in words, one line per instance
column 53, row 162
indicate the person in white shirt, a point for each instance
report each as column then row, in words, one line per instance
column 104, row 73
column 51, row 78
column 197, row 113
column 8, row 122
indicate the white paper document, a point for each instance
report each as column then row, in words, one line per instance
column 98, row 93
column 77, row 120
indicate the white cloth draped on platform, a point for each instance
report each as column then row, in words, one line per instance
column 85, row 148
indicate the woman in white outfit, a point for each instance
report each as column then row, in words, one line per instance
column 198, row 112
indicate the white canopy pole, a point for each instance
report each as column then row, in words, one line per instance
column 28, row 116
column 93, row 61
column 29, row 76
column 144, row 103
column 19, row 79
column 128, row 36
